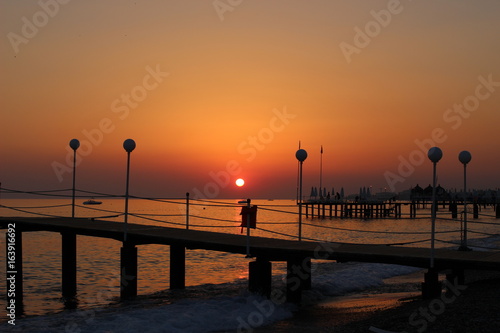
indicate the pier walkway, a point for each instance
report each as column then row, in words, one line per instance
column 297, row 254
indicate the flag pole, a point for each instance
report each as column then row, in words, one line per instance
column 321, row 173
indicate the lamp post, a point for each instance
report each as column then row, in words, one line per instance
column 74, row 144
column 434, row 154
column 464, row 157
column 129, row 146
column 301, row 156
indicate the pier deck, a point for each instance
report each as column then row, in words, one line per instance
column 271, row 248
column 297, row 254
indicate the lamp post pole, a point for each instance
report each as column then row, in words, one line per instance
column 431, row 288
column 74, row 144
column 301, row 156
column 464, row 157
column 129, row 146
column 68, row 247
column 435, row 154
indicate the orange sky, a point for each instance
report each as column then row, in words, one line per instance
column 211, row 92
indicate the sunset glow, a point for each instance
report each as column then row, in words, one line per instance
column 240, row 182
column 208, row 94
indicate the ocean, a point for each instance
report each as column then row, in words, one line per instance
column 216, row 296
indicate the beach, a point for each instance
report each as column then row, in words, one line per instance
column 470, row 308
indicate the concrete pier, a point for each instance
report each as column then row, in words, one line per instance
column 177, row 267
column 260, row 277
column 128, row 271
column 297, row 255
column 68, row 265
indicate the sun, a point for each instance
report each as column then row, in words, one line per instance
column 240, row 182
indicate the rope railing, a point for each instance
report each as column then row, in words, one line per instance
column 162, row 200
column 211, row 226
column 225, row 222
column 482, row 233
column 277, row 233
column 46, row 193
column 34, row 192
column 156, row 220
column 482, row 222
column 487, row 215
column 472, row 245
column 213, row 219
column 277, row 223
column 215, row 203
column 38, row 207
column 277, row 211
column 98, row 209
column 380, row 232
column 161, row 215
column 28, row 212
column 411, row 242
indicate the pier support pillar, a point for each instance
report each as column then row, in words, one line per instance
column 298, row 278
column 454, row 210
column 475, row 211
column 68, row 265
column 306, row 269
column 14, row 270
column 457, row 276
column 454, row 279
column 259, row 277
column 497, row 210
column 177, row 267
column 431, row 287
column 128, row 271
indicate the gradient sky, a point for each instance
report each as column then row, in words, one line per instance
column 216, row 90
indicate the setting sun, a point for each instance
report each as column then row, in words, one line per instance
column 240, row 182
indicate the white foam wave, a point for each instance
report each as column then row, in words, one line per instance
column 242, row 312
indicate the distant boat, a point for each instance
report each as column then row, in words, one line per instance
column 92, row 202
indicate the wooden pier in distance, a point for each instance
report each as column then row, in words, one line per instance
column 297, row 254
column 347, row 209
column 381, row 209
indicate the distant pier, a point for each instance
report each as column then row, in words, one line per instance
column 366, row 210
column 386, row 209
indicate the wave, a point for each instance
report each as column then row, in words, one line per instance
column 241, row 312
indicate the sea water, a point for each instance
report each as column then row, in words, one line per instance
column 215, row 297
